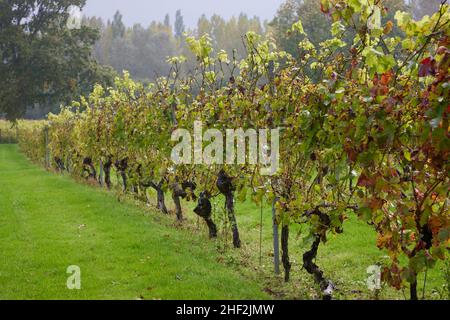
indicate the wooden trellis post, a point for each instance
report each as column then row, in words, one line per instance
column 261, row 233
column 47, row 150
column 276, row 237
column 276, row 244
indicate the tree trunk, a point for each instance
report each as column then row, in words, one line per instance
column 107, row 170
column 122, row 166
column 232, row 218
column 178, row 209
column 413, row 290
column 326, row 286
column 211, row 227
column 60, row 164
column 285, row 248
column 178, row 193
column 161, row 203
column 89, row 168
column 204, row 210
column 225, row 185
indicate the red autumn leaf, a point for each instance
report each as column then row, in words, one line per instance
column 427, row 67
column 386, row 78
column 435, row 225
column 323, row 9
column 384, row 90
column 365, row 181
column 376, row 204
column 352, row 155
column 389, row 104
column 376, row 79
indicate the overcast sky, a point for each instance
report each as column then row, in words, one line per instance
column 145, row 11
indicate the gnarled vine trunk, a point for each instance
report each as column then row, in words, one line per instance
column 225, row 186
column 161, row 202
column 211, row 227
column 122, row 166
column 177, row 194
column 88, row 167
column 413, row 290
column 229, row 200
column 107, row 171
column 60, row 164
column 285, row 252
column 326, row 286
column 178, row 209
column 204, row 210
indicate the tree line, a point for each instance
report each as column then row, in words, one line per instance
column 46, row 63
column 143, row 51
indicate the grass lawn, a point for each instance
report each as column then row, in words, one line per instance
column 344, row 259
column 49, row 222
column 128, row 251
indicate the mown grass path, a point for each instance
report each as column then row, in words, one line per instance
column 49, row 222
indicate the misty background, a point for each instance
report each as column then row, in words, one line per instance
column 145, row 11
column 139, row 36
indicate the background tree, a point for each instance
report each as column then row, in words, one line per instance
column 167, row 21
column 143, row 50
column 286, row 16
column 118, row 28
column 421, row 8
column 43, row 61
column 179, row 25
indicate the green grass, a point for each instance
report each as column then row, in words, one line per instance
column 128, row 251
column 48, row 222
column 344, row 259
